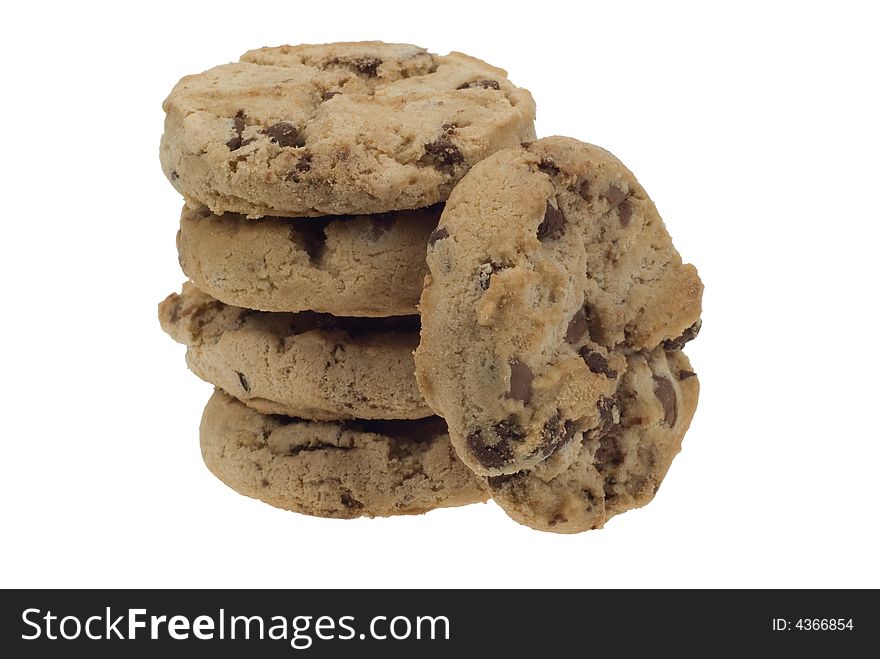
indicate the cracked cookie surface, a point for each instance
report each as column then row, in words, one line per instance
column 617, row 466
column 305, row 365
column 368, row 265
column 338, row 128
column 335, row 469
column 550, row 264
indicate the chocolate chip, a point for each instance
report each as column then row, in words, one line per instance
column 305, row 163
column 350, row 502
column 684, row 375
column 665, row 393
column 495, row 482
column 437, row 234
column 449, row 128
column 548, row 166
column 174, row 315
column 485, row 84
column 606, row 409
column 174, row 176
column 688, row 335
column 244, row 381
column 284, row 134
column 614, row 195
column 326, row 96
column 558, row 518
column 235, row 142
column 486, row 272
column 508, row 430
column 521, row 377
column 490, row 456
column 609, row 452
column 596, row 362
column 556, row 434
column 624, row 212
column 367, row 66
column 553, row 225
column 442, row 154
column 594, row 327
column 577, row 326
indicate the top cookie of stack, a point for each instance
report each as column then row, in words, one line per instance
column 378, row 131
column 337, row 129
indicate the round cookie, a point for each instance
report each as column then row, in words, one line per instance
column 369, row 265
column 305, row 365
column 549, row 265
column 342, row 469
column 338, row 128
column 618, row 466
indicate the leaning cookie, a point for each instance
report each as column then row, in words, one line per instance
column 368, row 265
column 342, row 469
column 549, row 266
column 618, row 466
column 337, row 128
column 305, row 365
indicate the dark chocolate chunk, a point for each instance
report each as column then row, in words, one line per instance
column 486, row 272
column 449, row 128
column 485, row 84
column 244, row 381
column 235, row 141
column 521, row 377
column 350, row 502
column 577, row 326
column 490, row 456
column 437, row 234
column 548, row 166
column 688, row 335
column 442, row 154
column 614, row 195
column 284, row 134
column 684, row 375
column 556, row 434
column 305, row 163
column 558, row 518
column 665, row 393
column 596, row 362
column 624, row 212
column 174, row 315
column 553, row 225
column 605, row 406
column 508, row 430
column 609, row 452
column 496, row 482
column 367, row 66
column 174, row 176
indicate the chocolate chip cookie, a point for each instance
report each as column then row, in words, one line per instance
column 341, row 469
column 616, row 466
column 368, row 265
column 306, row 365
column 550, row 264
column 337, row 128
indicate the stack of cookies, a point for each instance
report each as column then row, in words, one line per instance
column 334, row 192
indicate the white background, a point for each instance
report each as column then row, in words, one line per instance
column 755, row 130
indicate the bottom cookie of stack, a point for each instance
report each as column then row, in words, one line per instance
column 342, row 469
